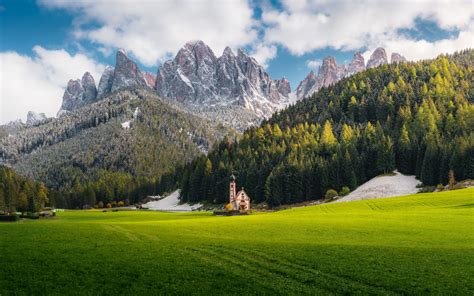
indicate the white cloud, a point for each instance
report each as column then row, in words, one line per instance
column 152, row 30
column 313, row 64
column 264, row 53
column 37, row 83
column 305, row 26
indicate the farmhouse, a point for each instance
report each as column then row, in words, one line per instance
column 239, row 201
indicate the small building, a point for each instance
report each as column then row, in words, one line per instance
column 239, row 201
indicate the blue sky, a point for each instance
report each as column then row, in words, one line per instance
column 52, row 41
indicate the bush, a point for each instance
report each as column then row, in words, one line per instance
column 440, row 187
column 344, row 191
column 120, row 204
column 100, row 204
column 331, row 193
column 30, row 215
column 9, row 218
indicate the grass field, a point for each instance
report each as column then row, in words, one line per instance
column 418, row 244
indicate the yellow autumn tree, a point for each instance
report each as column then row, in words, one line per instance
column 327, row 137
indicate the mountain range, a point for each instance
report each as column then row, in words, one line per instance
column 145, row 125
column 233, row 88
column 329, row 72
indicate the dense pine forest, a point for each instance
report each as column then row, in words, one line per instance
column 414, row 117
column 92, row 159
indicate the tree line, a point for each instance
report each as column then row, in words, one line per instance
column 414, row 117
column 18, row 193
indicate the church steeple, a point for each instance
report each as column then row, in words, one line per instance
column 232, row 189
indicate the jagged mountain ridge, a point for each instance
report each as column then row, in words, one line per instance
column 329, row 73
column 126, row 74
column 198, row 80
column 197, row 77
column 233, row 88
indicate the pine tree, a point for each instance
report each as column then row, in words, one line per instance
column 42, row 195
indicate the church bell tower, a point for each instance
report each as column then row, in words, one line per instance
column 232, row 189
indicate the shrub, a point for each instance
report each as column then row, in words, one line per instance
column 331, row 193
column 109, row 205
column 9, row 218
column 120, row 204
column 344, row 191
column 100, row 204
column 440, row 187
column 30, row 215
column 228, row 207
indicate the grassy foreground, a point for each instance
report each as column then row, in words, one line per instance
column 418, row 244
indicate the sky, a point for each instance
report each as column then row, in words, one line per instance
column 44, row 43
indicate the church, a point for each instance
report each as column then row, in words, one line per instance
column 239, row 201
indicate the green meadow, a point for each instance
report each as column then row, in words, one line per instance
column 418, row 244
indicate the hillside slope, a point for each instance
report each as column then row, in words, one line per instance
column 131, row 131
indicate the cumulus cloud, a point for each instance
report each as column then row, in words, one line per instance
column 264, row 53
column 37, row 83
column 313, row 64
column 153, row 30
column 305, row 26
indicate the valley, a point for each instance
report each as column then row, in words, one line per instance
column 417, row 244
column 236, row 147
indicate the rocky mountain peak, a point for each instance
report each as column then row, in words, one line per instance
column 228, row 52
column 33, row 118
column 378, row 58
column 126, row 73
column 356, row 65
column 105, row 83
column 328, row 72
column 73, row 95
column 196, row 77
column 283, row 86
column 90, row 90
column 307, row 86
column 397, row 58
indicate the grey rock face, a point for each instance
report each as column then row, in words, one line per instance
column 328, row 72
column 35, row 118
column 105, row 83
column 357, row 65
column 90, row 90
column 150, row 79
column 126, row 73
column 72, row 98
column 197, row 77
column 397, row 58
column 307, row 86
column 283, row 86
column 378, row 58
column 79, row 93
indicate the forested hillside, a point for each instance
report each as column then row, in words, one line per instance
column 414, row 117
column 112, row 150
